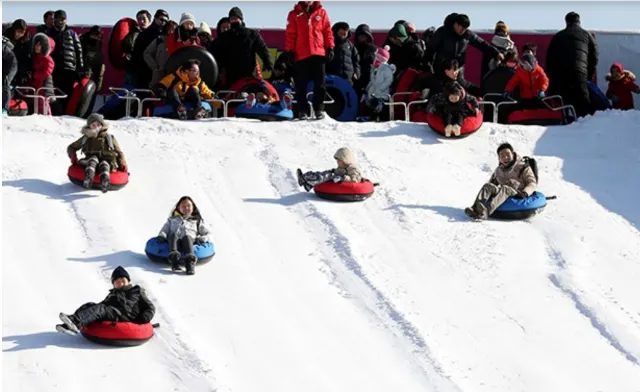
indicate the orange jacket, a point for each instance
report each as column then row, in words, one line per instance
column 308, row 34
column 530, row 83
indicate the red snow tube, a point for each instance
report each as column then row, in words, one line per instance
column 119, row 31
column 469, row 126
column 543, row 116
column 18, row 107
column 406, row 83
column 118, row 333
column 345, row 191
column 249, row 85
column 118, row 178
column 81, row 97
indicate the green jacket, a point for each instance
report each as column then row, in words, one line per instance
column 104, row 146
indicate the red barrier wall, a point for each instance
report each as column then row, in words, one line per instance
column 274, row 39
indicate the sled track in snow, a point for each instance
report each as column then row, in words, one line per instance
column 557, row 280
column 345, row 268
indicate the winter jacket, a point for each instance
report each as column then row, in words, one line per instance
column 351, row 173
column 367, row 54
column 43, row 66
column 435, row 84
column 622, row 89
column 453, row 113
column 571, row 52
column 93, row 59
column 138, row 63
column 504, row 44
column 529, row 83
column 22, row 51
column 447, row 44
column 346, row 61
column 132, row 303
column 192, row 227
column 518, row 175
column 235, row 51
column 156, row 56
column 180, row 81
column 308, row 34
column 181, row 38
column 67, row 54
column 9, row 62
column 409, row 55
column 381, row 79
column 104, row 146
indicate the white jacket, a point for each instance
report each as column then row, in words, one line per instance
column 381, row 80
column 180, row 226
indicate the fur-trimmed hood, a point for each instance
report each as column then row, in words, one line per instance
column 624, row 74
column 47, row 43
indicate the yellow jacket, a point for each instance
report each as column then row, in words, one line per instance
column 183, row 83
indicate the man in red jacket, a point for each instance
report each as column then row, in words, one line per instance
column 309, row 38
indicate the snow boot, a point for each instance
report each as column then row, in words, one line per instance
column 174, row 259
column 321, row 115
column 251, row 101
column 302, row 181
column 202, row 113
column 70, row 322
column 470, row 213
column 456, row 129
column 303, row 116
column 480, row 210
column 182, row 114
column 190, row 263
column 105, row 182
column 64, row 329
column 88, row 179
column 447, row 130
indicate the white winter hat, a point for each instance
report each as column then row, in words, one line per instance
column 204, row 28
column 187, row 17
column 345, row 155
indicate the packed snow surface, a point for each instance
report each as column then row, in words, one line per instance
column 398, row 293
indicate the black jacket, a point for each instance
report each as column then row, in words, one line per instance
column 572, row 52
column 67, row 55
column 138, row 65
column 132, row 302
column 235, row 51
column 409, row 55
column 346, row 61
column 446, row 44
column 9, row 62
column 93, row 59
column 367, row 54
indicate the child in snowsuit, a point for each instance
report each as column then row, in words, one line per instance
column 380, row 82
column 101, row 151
column 43, row 66
column 185, row 86
column 125, row 303
column 347, row 171
column 184, row 228
column 453, row 105
column 346, row 60
column 621, row 85
column 532, row 82
column 512, row 178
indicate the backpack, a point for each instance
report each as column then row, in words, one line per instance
column 530, row 162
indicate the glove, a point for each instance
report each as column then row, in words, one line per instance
column 161, row 239
column 329, row 54
column 74, row 159
column 522, row 194
column 337, row 179
column 541, row 94
column 199, row 241
column 500, row 57
column 123, row 166
column 506, row 94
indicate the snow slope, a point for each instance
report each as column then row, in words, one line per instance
column 398, row 293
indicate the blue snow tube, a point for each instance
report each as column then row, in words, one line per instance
column 159, row 252
column 599, row 100
column 167, row 110
column 265, row 112
column 345, row 107
column 517, row 209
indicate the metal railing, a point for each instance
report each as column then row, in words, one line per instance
column 328, row 101
column 35, row 95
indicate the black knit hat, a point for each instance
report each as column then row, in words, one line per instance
column 572, row 18
column 160, row 13
column 120, row 272
column 504, row 146
column 463, row 20
column 236, row 12
column 60, row 14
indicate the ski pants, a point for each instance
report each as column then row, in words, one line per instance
column 317, row 178
column 177, row 244
column 311, row 69
column 192, row 96
column 90, row 164
column 492, row 196
column 92, row 312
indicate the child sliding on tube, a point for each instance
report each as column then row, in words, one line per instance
column 101, row 151
column 347, row 171
column 124, row 303
column 183, row 229
column 454, row 105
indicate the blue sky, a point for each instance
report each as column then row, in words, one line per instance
column 519, row 15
